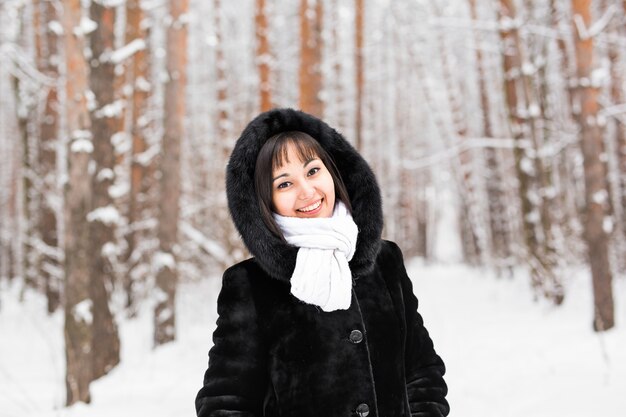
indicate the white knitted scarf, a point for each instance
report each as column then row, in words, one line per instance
column 322, row 275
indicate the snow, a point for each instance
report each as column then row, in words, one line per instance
column 600, row 197
column 145, row 157
column 505, row 354
column 128, row 50
column 210, row 246
column 109, row 3
column 165, row 315
column 121, row 141
column 110, row 250
column 82, row 311
column 533, row 217
column 159, row 296
column 600, row 77
column 528, row 68
column 113, row 109
column 86, row 26
column 82, row 134
column 534, row 110
column 211, row 40
column 82, row 145
column 56, row 27
column 108, row 215
column 142, row 84
column 507, row 24
column 119, row 189
column 527, row 166
column 105, row 174
column 162, row 260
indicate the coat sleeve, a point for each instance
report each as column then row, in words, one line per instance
column 236, row 379
column 426, row 388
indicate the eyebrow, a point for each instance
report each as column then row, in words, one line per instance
column 303, row 166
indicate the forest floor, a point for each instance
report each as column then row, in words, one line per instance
column 507, row 355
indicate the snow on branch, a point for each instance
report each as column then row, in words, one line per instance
column 82, row 312
column 23, row 66
column 585, row 33
column 208, row 245
column 466, row 144
column 109, row 3
column 85, row 27
column 107, row 215
column 53, row 270
column 613, row 110
column 162, row 260
column 56, row 27
column 469, row 143
column 110, row 110
column 146, row 156
column 530, row 28
column 127, row 51
column 81, row 141
column 52, row 252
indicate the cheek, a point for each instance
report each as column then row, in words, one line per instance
column 282, row 203
column 330, row 187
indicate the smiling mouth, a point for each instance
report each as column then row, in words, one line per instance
column 310, row 208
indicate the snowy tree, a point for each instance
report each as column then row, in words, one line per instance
column 310, row 78
column 105, row 111
column 263, row 55
column 78, row 200
column 596, row 194
column 170, row 186
column 48, row 32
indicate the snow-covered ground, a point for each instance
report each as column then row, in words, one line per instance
column 507, row 356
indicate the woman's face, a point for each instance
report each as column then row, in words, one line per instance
column 302, row 188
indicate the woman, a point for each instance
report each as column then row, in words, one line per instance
column 322, row 321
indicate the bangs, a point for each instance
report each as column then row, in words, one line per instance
column 305, row 146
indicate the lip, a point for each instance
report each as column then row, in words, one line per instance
column 312, row 212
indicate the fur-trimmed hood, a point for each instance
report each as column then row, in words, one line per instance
column 276, row 257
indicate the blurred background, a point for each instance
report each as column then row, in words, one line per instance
column 496, row 129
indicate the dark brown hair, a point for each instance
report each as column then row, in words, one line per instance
column 273, row 154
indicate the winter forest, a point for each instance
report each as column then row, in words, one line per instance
column 496, row 130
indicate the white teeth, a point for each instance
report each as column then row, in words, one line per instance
column 311, row 207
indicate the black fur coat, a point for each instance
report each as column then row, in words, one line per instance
column 276, row 356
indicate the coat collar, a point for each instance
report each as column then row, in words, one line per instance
column 276, row 257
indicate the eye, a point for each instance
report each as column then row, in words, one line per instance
column 283, row 185
column 313, row 171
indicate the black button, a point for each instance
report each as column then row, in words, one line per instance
column 356, row 336
column 363, row 410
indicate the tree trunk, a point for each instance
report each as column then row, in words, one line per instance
column 49, row 265
column 222, row 145
column 521, row 109
column 137, row 77
column 223, row 122
column 537, row 94
column 310, row 73
column 78, row 305
column 263, row 55
column 596, row 194
column 27, row 217
column 470, row 213
column 105, row 122
column 167, row 275
column 358, row 62
column 499, row 235
column 567, row 198
column 11, row 189
column 617, row 98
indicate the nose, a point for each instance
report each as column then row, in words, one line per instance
column 306, row 191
